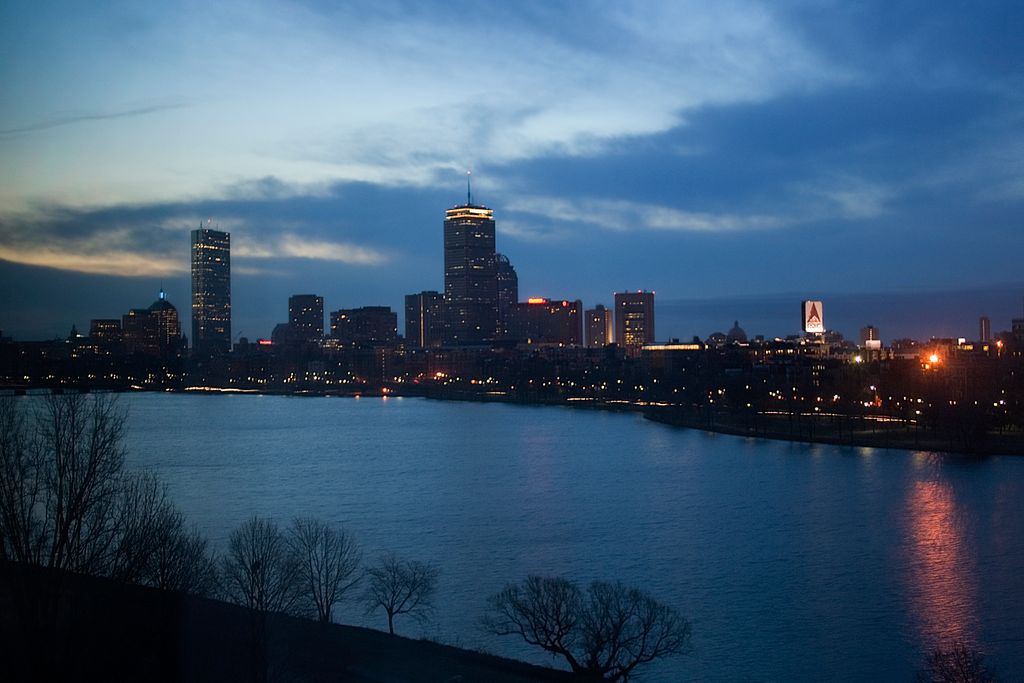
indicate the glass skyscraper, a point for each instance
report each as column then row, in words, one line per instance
column 470, row 275
column 211, row 291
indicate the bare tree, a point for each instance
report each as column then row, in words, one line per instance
column 180, row 560
column 67, row 504
column 544, row 611
column 65, row 500
column 328, row 559
column 21, row 481
column 260, row 571
column 60, row 481
column 956, row 663
column 140, row 511
column 604, row 634
column 401, row 587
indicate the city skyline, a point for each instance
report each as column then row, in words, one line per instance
column 713, row 155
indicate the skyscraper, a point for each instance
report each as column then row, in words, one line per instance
column 985, row 329
column 424, row 319
column 306, row 317
column 599, row 326
column 634, row 319
column 211, row 291
column 508, row 294
column 470, row 274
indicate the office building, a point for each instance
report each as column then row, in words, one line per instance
column 105, row 336
column 105, row 331
column 306, row 317
column 634, row 320
column 984, row 329
column 470, row 274
column 366, row 326
column 211, row 291
column 547, row 322
column 508, row 295
column 153, row 331
column 599, row 326
column 424, row 319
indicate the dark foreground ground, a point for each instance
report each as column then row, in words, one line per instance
column 114, row 632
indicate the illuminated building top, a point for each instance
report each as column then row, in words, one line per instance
column 469, row 211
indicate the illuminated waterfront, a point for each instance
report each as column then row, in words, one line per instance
column 792, row 561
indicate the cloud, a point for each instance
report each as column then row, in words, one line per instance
column 94, row 261
column 844, row 197
column 525, row 231
column 153, row 240
column 621, row 215
column 376, row 93
column 93, row 116
column 295, row 246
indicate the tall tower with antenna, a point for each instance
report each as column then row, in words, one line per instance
column 470, row 273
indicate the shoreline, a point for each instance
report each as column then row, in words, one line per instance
column 779, row 429
column 827, row 430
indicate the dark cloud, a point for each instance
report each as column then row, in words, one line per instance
column 907, row 39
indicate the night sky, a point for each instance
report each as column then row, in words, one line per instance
column 735, row 157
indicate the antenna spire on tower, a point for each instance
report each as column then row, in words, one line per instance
column 469, row 190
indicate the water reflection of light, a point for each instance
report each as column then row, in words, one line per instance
column 942, row 572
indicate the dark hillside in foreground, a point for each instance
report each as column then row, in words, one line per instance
column 115, row 632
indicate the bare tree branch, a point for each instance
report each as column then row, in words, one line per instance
column 401, row 587
column 259, row 570
column 956, row 662
column 328, row 561
column 605, row 634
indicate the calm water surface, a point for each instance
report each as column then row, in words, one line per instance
column 791, row 561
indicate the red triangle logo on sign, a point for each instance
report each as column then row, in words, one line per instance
column 813, row 316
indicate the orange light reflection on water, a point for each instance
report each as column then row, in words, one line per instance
column 942, row 569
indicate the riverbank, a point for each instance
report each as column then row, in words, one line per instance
column 834, row 429
column 841, row 430
column 111, row 631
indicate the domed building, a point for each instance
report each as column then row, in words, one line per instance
column 154, row 331
column 736, row 335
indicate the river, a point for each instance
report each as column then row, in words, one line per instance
column 792, row 561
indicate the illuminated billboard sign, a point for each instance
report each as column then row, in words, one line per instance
column 813, row 320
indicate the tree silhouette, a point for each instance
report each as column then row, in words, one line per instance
column 59, row 481
column 67, row 504
column 955, row 663
column 603, row 634
column 259, row 570
column 181, row 560
column 400, row 587
column 328, row 560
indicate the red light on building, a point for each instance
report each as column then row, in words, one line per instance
column 264, row 342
